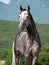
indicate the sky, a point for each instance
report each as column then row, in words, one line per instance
column 10, row 9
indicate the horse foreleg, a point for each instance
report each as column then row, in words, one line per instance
column 17, row 58
column 35, row 56
column 34, row 60
column 26, row 59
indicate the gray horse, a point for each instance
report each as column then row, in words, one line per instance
column 27, row 42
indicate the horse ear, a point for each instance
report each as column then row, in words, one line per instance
column 21, row 8
column 28, row 7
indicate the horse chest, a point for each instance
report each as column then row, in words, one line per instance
column 23, row 44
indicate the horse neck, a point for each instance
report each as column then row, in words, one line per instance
column 32, row 29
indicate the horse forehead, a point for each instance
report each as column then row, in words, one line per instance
column 24, row 13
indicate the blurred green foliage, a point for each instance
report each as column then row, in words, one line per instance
column 8, row 31
column 8, row 59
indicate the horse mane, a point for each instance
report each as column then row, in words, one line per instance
column 31, row 28
column 32, row 20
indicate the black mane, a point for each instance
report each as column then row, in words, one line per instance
column 31, row 28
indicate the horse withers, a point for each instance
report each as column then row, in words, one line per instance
column 27, row 42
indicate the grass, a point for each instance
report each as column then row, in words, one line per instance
column 8, row 30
